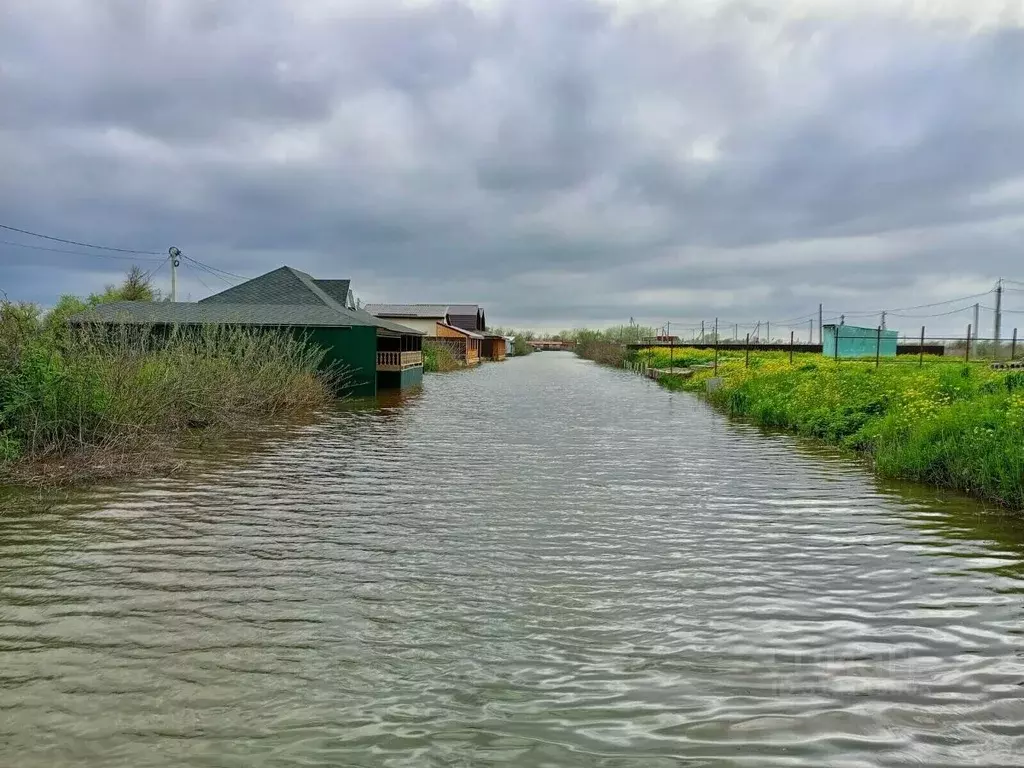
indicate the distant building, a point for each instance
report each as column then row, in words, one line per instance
column 468, row 316
column 422, row 317
column 464, row 345
column 462, row 326
column 854, row 341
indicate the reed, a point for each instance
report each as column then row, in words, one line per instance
column 68, row 391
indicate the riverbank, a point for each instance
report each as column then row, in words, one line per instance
column 85, row 405
column 943, row 423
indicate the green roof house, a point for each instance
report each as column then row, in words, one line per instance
column 374, row 353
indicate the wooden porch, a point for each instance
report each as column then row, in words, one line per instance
column 398, row 361
column 397, row 353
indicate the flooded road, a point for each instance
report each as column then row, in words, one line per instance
column 537, row 563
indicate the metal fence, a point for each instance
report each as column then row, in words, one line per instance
column 968, row 348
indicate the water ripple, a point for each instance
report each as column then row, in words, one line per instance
column 539, row 563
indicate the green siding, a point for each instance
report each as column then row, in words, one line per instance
column 410, row 377
column 354, row 350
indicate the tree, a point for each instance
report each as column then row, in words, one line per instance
column 136, row 287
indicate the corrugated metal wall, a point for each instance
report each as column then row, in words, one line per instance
column 855, row 341
column 354, row 349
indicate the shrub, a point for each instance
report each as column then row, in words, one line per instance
column 438, row 358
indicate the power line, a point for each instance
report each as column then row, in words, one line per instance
column 920, row 306
column 937, row 314
column 203, row 282
column 212, row 269
column 76, row 253
column 152, row 273
column 79, row 243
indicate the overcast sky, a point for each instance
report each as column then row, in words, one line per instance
column 562, row 162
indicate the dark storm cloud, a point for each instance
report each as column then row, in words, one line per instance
column 563, row 162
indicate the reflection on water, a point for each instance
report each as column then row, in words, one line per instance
column 537, row 563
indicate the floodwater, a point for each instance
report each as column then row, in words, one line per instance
column 537, row 563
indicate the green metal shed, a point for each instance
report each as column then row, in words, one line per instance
column 855, row 341
column 374, row 353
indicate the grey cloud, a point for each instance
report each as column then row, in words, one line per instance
column 442, row 152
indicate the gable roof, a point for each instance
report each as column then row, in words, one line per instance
column 283, row 297
column 469, row 316
column 466, row 332
column 187, row 313
column 427, row 311
column 339, row 290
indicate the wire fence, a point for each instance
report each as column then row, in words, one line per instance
column 878, row 346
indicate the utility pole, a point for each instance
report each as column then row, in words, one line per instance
column 883, row 320
column 821, row 339
column 768, row 330
column 810, row 331
column 174, row 253
column 735, row 331
column 975, row 325
column 671, row 347
column 701, row 331
column 999, row 312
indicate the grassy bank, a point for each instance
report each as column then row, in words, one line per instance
column 80, row 403
column 944, row 423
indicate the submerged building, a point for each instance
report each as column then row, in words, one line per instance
column 371, row 353
column 462, row 328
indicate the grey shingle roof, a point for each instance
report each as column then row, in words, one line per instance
column 463, row 309
column 282, row 286
column 180, row 313
column 284, row 297
column 336, row 289
column 408, row 310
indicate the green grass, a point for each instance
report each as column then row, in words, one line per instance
column 944, row 423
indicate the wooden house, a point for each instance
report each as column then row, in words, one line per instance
column 493, row 347
column 460, row 327
column 468, row 316
column 422, row 317
column 465, row 345
column 373, row 353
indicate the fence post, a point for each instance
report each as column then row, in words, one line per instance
column 1013, row 344
column 920, row 359
column 967, row 349
column 747, row 365
column 791, row 347
column 878, row 347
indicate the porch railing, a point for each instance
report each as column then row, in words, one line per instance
column 398, row 361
